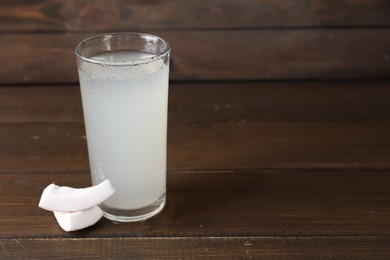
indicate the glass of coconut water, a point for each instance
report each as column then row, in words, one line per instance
column 124, row 89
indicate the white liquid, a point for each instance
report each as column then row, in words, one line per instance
column 125, row 113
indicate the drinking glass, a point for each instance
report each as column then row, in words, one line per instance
column 124, row 89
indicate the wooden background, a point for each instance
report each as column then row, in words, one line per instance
column 213, row 40
column 279, row 117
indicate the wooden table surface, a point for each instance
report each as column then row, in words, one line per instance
column 254, row 169
column 278, row 133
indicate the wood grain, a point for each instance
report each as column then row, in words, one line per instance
column 103, row 15
column 268, row 155
column 217, row 55
column 220, row 204
column 280, row 102
column 219, row 102
column 325, row 192
column 57, row 104
column 62, row 147
column 207, row 247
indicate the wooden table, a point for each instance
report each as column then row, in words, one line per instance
column 254, row 169
column 278, row 136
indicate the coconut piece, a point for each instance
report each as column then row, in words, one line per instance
column 67, row 199
column 71, row 221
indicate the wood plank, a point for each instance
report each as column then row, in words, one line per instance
column 103, row 15
column 219, row 102
column 217, row 55
column 215, row 248
column 62, row 147
column 280, row 102
column 220, row 204
column 279, row 146
column 43, row 147
column 58, row 104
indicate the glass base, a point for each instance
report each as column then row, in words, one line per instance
column 133, row 215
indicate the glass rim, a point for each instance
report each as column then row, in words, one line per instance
column 153, row 58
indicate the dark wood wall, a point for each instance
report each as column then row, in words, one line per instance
column 211, row 40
